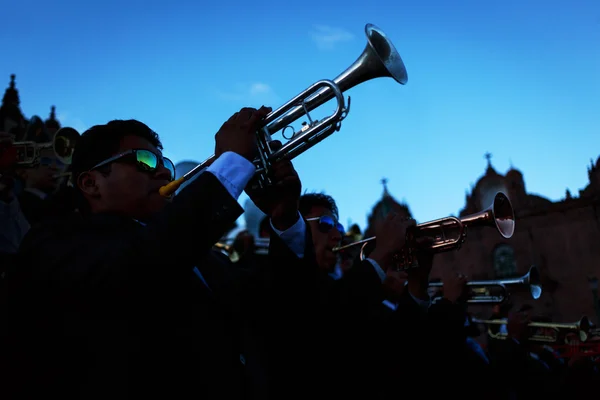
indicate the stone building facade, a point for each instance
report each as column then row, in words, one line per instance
column 561, row 238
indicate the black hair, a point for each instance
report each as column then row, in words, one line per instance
column 101, row 142
column 310, row 200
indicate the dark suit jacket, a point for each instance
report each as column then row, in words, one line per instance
column 101, row 307
column 319, row 323
column 418, row 346
column 36, row 209
column 524, row 376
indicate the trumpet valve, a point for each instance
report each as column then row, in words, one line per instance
column 405, row 260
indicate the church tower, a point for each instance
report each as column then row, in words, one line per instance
column 52, row 124
column 11, row 118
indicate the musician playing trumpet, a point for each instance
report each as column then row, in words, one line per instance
column 125, row 297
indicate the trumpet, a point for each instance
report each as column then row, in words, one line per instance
column 582, row 327
column 63, row 144
column 261, row 247
column 499, row 214
column 379, row 59
column 481, row 290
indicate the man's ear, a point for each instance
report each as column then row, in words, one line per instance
column 87, row 184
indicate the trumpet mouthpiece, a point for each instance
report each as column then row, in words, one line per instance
column 170, row 188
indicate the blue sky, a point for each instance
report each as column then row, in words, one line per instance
column 519, row 79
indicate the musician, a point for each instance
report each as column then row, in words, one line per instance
column 522, row 372
column 105, row 302
column 413, row 329
column 423, row 333
column 13, row 224
column 41, row 182
column 321, row 327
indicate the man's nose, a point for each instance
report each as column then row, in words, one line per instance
column 162, row 173
column 335, row 235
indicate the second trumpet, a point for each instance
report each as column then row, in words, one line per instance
column 496, row 291
column 450, row 233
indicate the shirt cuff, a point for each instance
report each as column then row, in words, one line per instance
column 233, row 171
column 378, row 269
column 294, row 237
column 390, row 305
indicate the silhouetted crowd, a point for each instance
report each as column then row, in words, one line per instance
column 112, row 289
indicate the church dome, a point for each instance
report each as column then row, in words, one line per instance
column 382, row 208
column 514, row 174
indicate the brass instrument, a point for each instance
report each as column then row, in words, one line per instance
column 499, row 214
column 183, row 167
column 379, row 59
column 261, row 247
column 582, row 327
column 589, row 349
column 63, row 144
column 482, row 289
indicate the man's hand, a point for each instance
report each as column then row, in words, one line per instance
column 238, row 134
column 454, row 285
column 517, row 325
column 279, row 200
column 391, row 239
column 394, row 284
column 424, row 256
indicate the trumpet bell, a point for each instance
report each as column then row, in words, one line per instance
column 384, row 50
column 500, row 214
column 64, row 143
column 534, row 281
column 504, row 215
column 585, row 324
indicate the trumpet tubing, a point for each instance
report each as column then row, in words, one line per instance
column 28, row 152
column 582, row 327
column 499, row 214
column 379, row 59
column 261, row 247
column 63, row 145
column 482, row 292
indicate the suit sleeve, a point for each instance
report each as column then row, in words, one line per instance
column 173, row 242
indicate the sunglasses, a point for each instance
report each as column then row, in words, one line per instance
column 145, row 160
column 327, row 223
